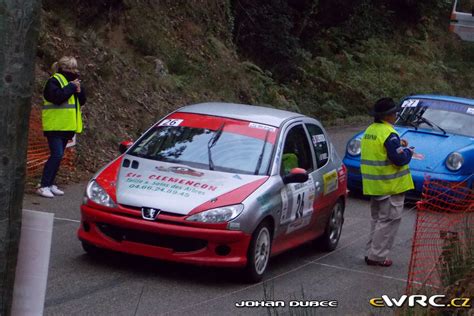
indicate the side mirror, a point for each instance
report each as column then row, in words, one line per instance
column 296, row 175
column 126, row 144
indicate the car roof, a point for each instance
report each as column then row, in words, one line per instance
column 443, row 98
column 245, row 112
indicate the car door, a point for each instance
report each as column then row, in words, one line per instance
column 325, row 175
column 297, row 198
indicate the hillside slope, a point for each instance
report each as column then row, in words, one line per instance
column 141, row 59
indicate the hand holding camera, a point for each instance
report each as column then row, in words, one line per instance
column 77, row 83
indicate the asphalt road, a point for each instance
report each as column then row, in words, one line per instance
column 117, row 284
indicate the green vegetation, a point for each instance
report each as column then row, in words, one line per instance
column 142, row 58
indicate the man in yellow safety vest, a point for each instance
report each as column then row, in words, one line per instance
column 385, row 177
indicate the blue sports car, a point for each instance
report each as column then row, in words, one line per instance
column 441, row 128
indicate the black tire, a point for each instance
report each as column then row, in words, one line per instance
column 329, row 240
column 258, row 254
column 91, row 249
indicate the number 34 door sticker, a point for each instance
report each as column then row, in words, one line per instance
column 297, row 204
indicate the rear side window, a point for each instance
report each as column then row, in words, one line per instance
column 320, row 144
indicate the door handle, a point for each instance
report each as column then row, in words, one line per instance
column 317, row 185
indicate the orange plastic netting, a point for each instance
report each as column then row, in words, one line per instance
column 443, row 244
column 38, row 150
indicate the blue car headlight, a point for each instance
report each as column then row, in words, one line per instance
column 454, row 161
column 218, row 215
column 353, row 148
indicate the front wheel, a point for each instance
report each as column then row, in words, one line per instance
column 259, row 253
column 332, row 233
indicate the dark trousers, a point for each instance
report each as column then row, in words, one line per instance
column 57, row 145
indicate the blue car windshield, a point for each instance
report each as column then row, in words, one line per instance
column 441, row 116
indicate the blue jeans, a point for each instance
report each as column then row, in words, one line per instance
column 57, row 145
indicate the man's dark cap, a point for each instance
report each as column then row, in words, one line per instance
column 383, row 107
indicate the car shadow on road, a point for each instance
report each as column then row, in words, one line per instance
column 197, row 274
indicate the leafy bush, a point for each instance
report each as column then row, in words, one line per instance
column 264, row 31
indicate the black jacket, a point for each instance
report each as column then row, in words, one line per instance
column 57, row 95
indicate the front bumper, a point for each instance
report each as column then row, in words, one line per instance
column 354, row 178
column 165, row 241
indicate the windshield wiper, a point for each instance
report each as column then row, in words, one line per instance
column 430, row 123
column 260, row 158
column 409, row 115
column 407, row 122
column 211, row 144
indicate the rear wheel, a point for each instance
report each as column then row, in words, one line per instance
column 259, row 253
column 332, row 233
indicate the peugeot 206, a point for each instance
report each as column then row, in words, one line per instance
column 219, row 184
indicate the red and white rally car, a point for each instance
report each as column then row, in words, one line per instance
column 219, row 184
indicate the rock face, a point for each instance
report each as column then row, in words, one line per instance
column 19, row 29
column 160, row 68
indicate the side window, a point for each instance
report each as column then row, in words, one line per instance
column 296, row 151
column 320, row 144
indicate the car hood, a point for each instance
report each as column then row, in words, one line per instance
column 432, row 147
column 173, row 187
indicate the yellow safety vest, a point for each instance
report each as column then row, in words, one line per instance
column 62, row 117
column 379, row 175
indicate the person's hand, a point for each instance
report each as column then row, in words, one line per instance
column 77, row 83
column 404, row 142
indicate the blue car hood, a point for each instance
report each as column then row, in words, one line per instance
column 431, row 147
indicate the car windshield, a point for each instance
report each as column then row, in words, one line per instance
column 192, row 146
column 440, row 116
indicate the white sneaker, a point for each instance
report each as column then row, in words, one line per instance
column 45, row 192
column 54, row 189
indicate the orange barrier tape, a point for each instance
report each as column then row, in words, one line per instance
column 38, row 150
column 443, row 243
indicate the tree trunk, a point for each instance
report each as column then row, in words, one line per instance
column 19, row 29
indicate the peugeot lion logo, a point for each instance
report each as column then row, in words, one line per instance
column 150, row 214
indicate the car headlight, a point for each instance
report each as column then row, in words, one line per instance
column 97, row 194
column 455, row 161
column 218, row 215
column 353, row 148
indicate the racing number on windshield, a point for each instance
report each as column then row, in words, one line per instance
column 410, row 103
column 171, row 122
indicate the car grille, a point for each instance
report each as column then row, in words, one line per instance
column 178, row 244
column 161, row 212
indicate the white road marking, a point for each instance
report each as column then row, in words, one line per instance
column 66, row 219
column 359, row 271
column 57, row 218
